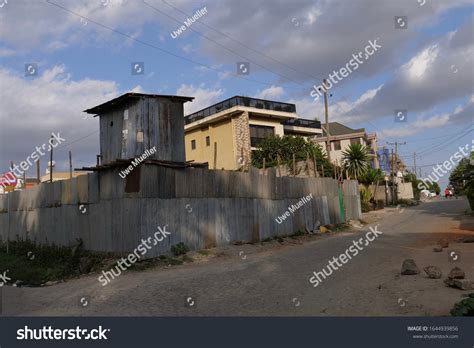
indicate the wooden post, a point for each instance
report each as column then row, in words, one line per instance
column 294, row 165
column 38, row 175
column 308, row 171
column 278, row 164
column 264, row 165
column 24, row 180
column 316, row 173
column 70, row 165
column 215, row 155
column 322, row 170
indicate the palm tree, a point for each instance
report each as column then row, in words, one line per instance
column 355, row 160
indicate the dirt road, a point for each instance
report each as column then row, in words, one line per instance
column 273, row 279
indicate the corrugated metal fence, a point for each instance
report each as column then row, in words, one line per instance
column 202, row 208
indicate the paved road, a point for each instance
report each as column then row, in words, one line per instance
column 273, row 279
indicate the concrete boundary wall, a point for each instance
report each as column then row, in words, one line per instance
column 202, row 208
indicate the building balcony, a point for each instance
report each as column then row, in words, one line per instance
column 301, row 122
column 239, row 101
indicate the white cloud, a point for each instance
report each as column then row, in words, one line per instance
column 271, row 93
column 419, row 64
column 6, row 52
column 52, row 102
column 203, row 97
column 460, row 114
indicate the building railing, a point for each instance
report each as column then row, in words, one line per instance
column 239, row 101
column 301, row 122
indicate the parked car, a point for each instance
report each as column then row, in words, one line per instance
column 428, row 193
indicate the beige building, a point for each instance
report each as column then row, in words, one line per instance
column 341, row 137
column 225, row 134
column 57, row 176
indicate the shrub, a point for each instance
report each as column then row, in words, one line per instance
column 464, row 308
column 365, row 197
column 179, row 249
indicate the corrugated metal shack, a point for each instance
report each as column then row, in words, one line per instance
column 135, row 122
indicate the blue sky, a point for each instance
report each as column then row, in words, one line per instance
column 84, row 51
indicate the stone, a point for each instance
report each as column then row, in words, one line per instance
column 463, row 284
column 469, row 239
column 437, row 249
column 456, row 273
column 409, row 267
column 76, row 249
column 433, row 272
column 323, row 229
column 443, row 243
column 449, row 282
column 85, row 265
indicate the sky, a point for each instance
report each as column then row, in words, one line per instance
column 60, row 57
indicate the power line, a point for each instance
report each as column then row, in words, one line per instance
column 219, row 44
column 154, row 46
column 243, row 44
column 448, row 142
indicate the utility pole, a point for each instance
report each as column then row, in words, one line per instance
column 414, row 162
column 392, row 178
column 393, row 166
column 70, row 165
column 51, row 164
column 396, row 149
column 328, row 144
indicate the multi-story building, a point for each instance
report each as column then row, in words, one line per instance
column 225, row 134
column 341, row 137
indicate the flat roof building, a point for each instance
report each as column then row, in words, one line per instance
column 224, row 134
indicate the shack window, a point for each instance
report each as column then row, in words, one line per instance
column 337, row 145
column 208, row 141
column 193, row 144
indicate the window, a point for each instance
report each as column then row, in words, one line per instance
column 355, row 141
column 208, row 141
column 193, row 144
column 258, row 133
column 336, row 145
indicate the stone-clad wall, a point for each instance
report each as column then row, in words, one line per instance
column 240, row 125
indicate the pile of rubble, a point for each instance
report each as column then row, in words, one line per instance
column 456, row 277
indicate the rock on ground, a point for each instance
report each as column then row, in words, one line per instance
column 409, row 267
column 443, row 243
column 456, row 273
column 437, row 249
column 463, row 284
column 433, row 272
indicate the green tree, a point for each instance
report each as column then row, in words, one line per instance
column 355, row 160
column 287, row 146
column 462, row 178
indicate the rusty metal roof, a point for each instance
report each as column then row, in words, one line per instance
column 114, row 103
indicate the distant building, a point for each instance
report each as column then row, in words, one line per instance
column 136, row 122
column 228, row 131
column 341, row 137
column 57, row 176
